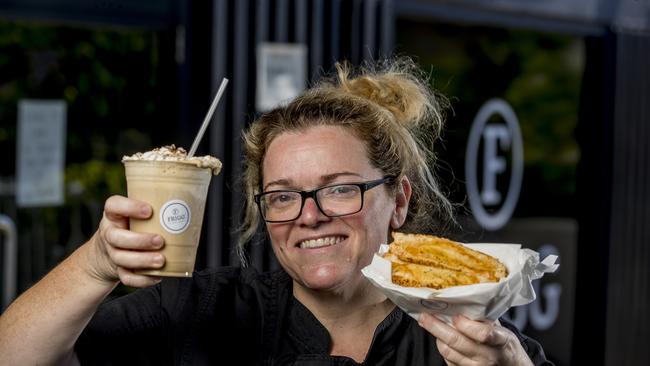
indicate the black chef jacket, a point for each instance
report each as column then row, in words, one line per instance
column 233, row 316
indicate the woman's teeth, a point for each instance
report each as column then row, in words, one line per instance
column 320, row 242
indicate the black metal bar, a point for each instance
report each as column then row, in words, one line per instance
column 216, row 223
column 239, row 102
column 261, row 21
column 150, row 14
column 281, row 21
column 369, row 21
column 316, row 46
column 459, row 13
column 301, row 17
column 628, row 300
column 593, row 192
column 335, row 25
column 356, row 46
column 387, row 37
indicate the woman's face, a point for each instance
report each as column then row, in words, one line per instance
column 320, row 252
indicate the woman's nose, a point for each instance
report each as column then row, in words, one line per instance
column 311, row 214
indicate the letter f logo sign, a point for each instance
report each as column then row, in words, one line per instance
column 493, row 164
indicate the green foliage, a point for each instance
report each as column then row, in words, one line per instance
column 96, row 178
column 538, row 74
column 119, row 86
column 108, row 77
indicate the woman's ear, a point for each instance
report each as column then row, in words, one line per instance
column 402, row 198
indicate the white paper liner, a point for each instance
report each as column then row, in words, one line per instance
column 480, row 301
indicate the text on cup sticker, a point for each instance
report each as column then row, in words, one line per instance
column 175, row 216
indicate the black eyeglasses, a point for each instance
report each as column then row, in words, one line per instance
column 333, row 201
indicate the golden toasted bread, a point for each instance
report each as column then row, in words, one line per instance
column 417, row 275
column 429, row 261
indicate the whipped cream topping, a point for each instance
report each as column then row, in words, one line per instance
column 178, row 154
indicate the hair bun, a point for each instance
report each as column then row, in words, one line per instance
column 397, row 89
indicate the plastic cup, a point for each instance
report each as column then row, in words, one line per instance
column 177, row 193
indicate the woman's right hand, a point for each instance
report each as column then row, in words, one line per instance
column 42, row 325
column 116, row 251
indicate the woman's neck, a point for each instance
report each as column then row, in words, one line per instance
column 350, row 317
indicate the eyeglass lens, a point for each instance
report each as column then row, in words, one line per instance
column 335, row 200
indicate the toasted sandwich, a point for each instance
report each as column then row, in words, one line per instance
column 429, row 261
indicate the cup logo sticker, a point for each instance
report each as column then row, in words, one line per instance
column 175, row 216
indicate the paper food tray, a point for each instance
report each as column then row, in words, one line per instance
column 479, row 301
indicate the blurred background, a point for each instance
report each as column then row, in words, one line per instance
column 546, row 141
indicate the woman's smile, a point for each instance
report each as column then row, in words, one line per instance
column 320, row 242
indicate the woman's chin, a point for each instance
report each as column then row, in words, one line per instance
column 324, row 278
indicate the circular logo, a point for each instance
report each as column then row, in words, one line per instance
column 175, row 216
column 492, row 137
column 434, row 304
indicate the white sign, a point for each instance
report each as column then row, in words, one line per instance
column 40, row 152
column 496, row 138
column 281, row 73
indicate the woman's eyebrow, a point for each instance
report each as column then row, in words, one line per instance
column 279, row 182
column 331, row 177
column 328, row 178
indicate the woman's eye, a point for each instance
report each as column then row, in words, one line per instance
column 342, row 190
column 280, row 198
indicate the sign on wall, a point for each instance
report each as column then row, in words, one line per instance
column 40, row 153
column 281, row 74
column 550, row 318
column 494, row 149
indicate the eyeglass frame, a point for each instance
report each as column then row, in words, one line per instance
column 363, row 187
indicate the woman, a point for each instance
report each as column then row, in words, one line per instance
column 330, row 175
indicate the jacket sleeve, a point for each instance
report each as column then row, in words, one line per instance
column 128, row 330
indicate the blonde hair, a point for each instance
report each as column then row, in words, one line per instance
column 389, row 107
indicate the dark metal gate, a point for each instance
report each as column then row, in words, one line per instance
column 332, row 30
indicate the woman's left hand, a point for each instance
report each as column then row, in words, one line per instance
column 471, row 342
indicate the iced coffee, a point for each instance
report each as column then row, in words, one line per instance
column 176, row 187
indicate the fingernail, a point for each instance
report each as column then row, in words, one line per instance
column 157, row 241
column 158, row 260
column 146, row 211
